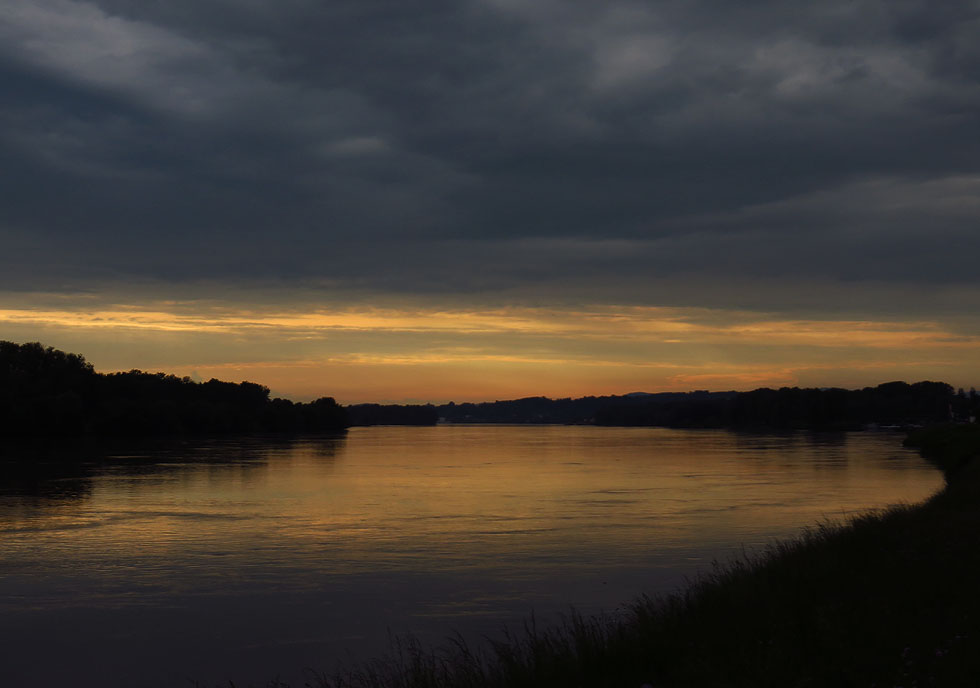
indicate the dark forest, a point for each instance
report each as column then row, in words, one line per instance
column 44, row 391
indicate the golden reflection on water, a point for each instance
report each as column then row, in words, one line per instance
column 470, row 496
column 273, row 555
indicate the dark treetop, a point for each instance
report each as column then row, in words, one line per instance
column 48, row 392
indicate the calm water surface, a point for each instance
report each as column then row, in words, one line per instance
column 252, row 559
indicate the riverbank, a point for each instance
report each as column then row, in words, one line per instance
column 890, row 599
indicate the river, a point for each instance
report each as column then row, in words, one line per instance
column 158, row 565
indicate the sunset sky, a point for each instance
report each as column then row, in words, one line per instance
column 486, row 199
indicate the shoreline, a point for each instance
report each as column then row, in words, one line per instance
column 886, row 599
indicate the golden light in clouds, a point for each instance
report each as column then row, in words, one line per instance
column 437, row 353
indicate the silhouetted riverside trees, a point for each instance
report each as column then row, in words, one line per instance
column 789, row 408
column 892, row 403
column 48, row 392
column 44, row 391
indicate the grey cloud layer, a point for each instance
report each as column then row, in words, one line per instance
column 490, row 145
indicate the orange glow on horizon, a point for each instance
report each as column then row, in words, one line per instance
column 469, row 354
column 601, row 322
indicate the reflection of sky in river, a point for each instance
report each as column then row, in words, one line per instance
column 251, row 559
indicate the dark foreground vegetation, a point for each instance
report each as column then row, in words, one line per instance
column 50, row 393
column 890, row 404
column 889, row 599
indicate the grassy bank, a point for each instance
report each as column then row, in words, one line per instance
column 891, row 599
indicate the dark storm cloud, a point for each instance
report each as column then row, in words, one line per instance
column 490, row 145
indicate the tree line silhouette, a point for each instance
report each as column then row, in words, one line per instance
column 889, row 404
column 44, row 391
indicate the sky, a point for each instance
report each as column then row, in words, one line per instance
column 487, row 199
